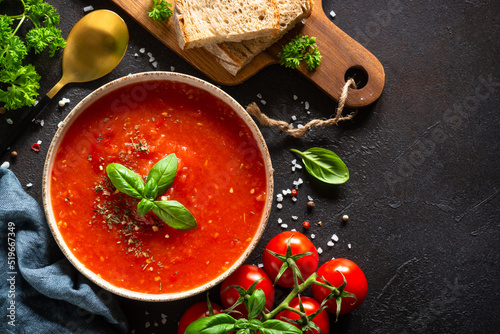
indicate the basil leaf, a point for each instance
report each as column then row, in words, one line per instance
column 324, row 165
column 256, row 304
column 125, row 180
column 163, row 173
column 216, row 324
column 175, row 215
column 144, row 206
column 151, row 189
column 274, row 326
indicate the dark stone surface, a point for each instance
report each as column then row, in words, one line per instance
column 423, row 194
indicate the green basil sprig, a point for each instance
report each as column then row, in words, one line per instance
column 225, row 323
column 324, row 165
column 159, row 180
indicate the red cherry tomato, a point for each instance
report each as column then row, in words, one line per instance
column 356, row 284
column 244, row 277
column 310, row 306
column 195, row 312
column 299, row 244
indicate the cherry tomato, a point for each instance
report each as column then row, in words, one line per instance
column 244, row 277
column 310, row 306
column 299, row 244
column 356, row 284
column 195, row 312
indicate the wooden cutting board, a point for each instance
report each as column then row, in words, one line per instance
column 340, row 53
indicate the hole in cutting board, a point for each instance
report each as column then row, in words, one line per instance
column 359, row 75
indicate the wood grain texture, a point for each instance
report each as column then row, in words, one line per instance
column 340, row 52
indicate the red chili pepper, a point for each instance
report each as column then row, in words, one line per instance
column 35, row 147
column 294, row 192
column 306, row 224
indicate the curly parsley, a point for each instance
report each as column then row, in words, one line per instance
column 300, row 48
column 160, row 10
column 20, row 82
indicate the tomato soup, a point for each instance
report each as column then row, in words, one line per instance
column 221, row 180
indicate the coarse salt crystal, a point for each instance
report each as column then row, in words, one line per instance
column 259, row 96
column 260, row 265
column 295, row 97
column 87, row 9
column 313, row 236
column 29, row 185
column 284, row 225
column 149, row 54
column 330, row 243
column 142, row 50
column 155, row 64
column 294, row 161
column 152, row 59
column 263, row 102
column 349, row 246
column 5, row 165
column 164, row 321
column 288, row 191
column 332, row 14
column 300, row 181
column 335, row 238
column 279, row 206
column 298, row 166
column 39, row 142
column 172, row 68
column 9, row 121
column 35, row 103
column 309, row 198
column 320, row 250
column 299, row 126
column 293, row 168
column 147, row 324
column 284, row 192
column 280, row 220
column 294, row 118
column 306, row 105
column 295, row 217
column 136, row 55
column 293, row 230
column 42, row 122
column 59, row 124
column 294, row 199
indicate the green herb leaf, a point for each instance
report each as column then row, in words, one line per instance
column 324, row 165
column 274, row 326
column 163, row 173
column 216, row 324
column 151, row 189
column 175, row 215
column 298, row 49
column 144, row 206
column 125, row 180
column 20, row 81
column 160, row 10
column 256, row 304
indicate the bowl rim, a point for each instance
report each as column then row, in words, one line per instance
column 102, row 91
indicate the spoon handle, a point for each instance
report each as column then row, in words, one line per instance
column 24, row 123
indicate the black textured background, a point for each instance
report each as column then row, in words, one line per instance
column 423, row 193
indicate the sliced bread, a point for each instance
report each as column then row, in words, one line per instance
column 201, row 22
column 233, row 56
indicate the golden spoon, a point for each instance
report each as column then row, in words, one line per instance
column 95, row 45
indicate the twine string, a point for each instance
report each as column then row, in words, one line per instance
column 254, row 110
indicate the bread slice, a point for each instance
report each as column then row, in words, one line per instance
column 201, row 22
column 234, row 56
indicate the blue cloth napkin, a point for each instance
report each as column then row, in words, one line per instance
column 40, row 290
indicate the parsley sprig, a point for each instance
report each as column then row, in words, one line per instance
column 19, row 82
column 160, row 10
column 300, row 48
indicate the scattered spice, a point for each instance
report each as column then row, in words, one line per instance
column 13, row 154
column 306, row 225
column 345, row 218
column 310, row 204
column 294, row 192
column 35, row 147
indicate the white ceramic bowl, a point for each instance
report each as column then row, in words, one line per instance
column 81, row 107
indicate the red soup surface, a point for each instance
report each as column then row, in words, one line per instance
column 220, row 179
